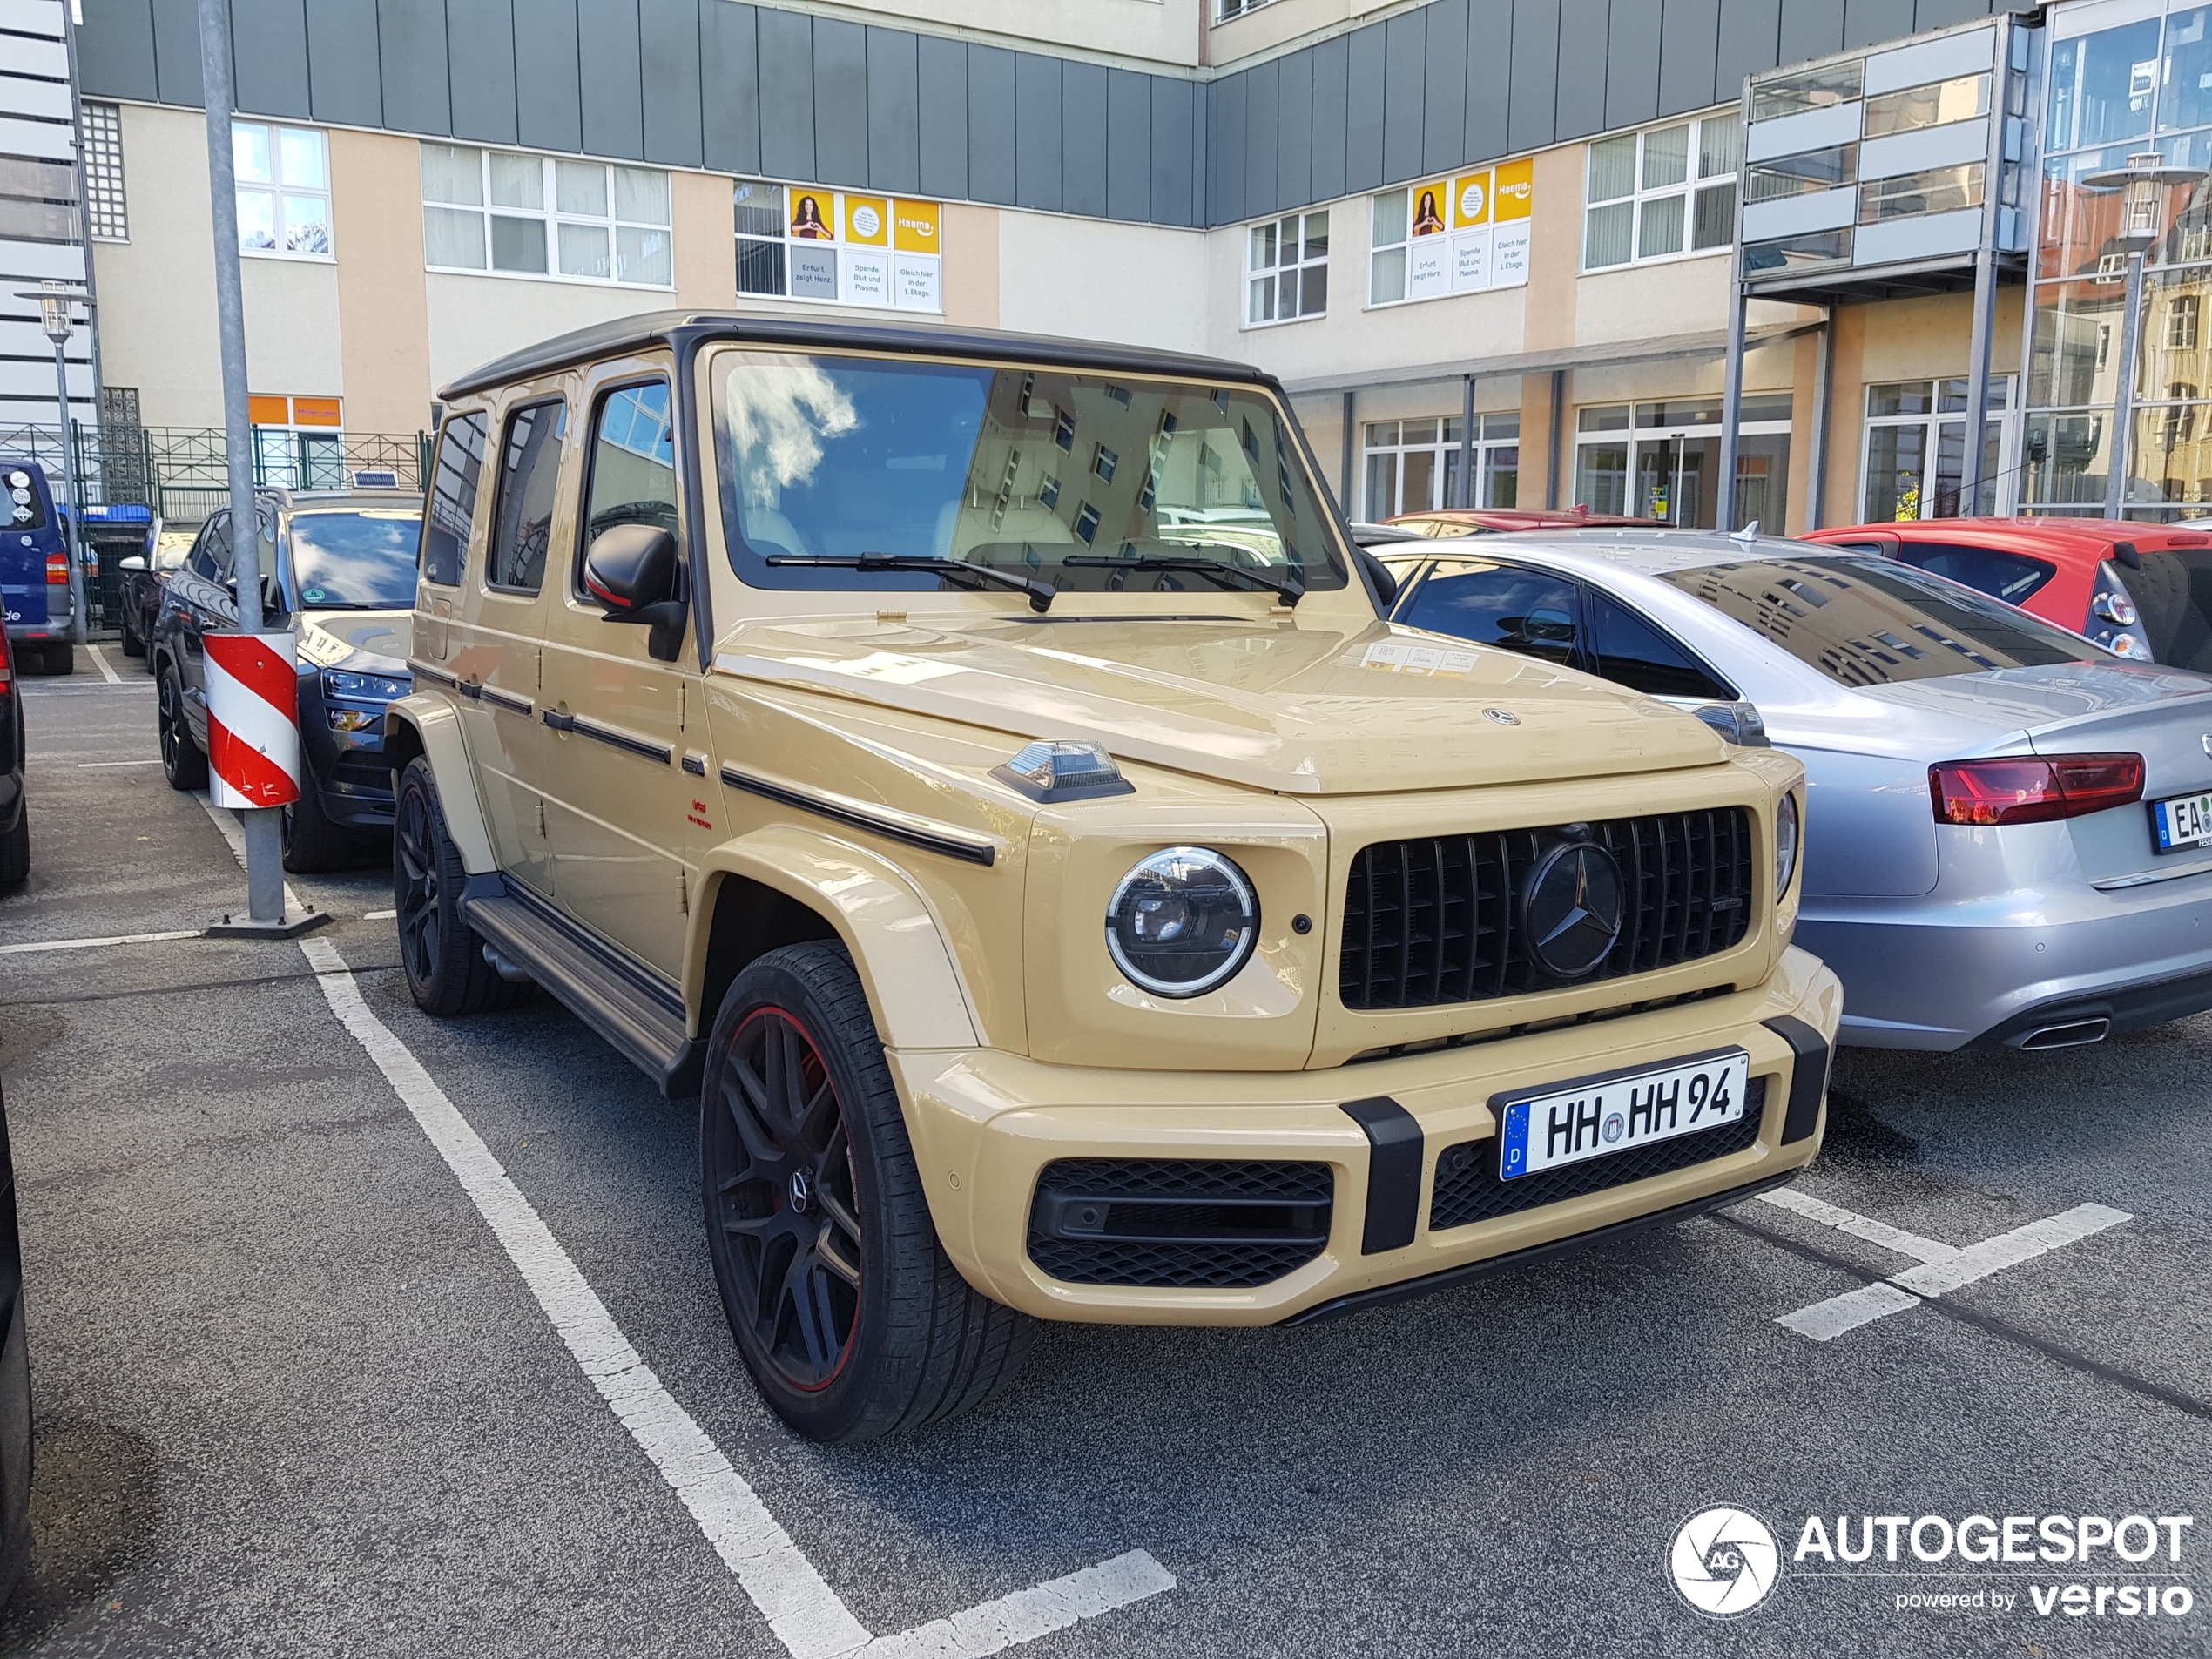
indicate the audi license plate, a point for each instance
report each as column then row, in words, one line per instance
column 1619, row 1110
column 2182, row 822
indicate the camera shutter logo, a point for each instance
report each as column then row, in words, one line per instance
column 1724, row 1562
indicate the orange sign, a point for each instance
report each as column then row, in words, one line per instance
column 1515, row 189
column 914, row 226
column 315, row 411
column 269, row 411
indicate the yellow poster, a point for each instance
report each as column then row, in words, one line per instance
column 913, row 227
column 1515, row 189
column 1429, row 206
column 1470, row 200
column 867, row 221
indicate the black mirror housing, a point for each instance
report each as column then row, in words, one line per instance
column 631, row 571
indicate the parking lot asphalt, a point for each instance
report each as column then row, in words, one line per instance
column 293, row 1396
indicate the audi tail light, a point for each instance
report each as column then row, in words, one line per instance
column 57, row 569
column 2032, row 789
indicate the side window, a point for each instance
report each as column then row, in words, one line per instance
column 1633, row 652
column 1520, row 611
column 631, row 477
column 2009, row 576
column 452, row 506
column 211, row 554
column 530, row 471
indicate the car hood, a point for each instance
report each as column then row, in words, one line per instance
column 1272, row 706
column 360, row 642
column 1972, row 713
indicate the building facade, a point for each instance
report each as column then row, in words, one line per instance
column 1489, row 245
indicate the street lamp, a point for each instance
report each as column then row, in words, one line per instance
column 54, row 301
column 2143, row 184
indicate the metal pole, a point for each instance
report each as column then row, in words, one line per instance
column 2123, row 402
column 1978, row 352
column 1466, row 441
column 74, row 541
column 1345, row 502
column 1731, row 396
column 1824, row 379
column 1558, row 437
column 263, row 825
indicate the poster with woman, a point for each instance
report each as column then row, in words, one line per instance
column 806, row 221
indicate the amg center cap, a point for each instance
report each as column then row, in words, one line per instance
column 1571, row 908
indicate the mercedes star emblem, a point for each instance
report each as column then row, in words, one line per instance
column 1572, row 909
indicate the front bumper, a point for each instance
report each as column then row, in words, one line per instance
column 986, row 1124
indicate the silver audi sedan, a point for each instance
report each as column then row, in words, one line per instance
column 2008, row 830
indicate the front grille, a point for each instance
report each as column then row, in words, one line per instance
column 1437, row 920
column 1180, row 1223
column 1468, row 1191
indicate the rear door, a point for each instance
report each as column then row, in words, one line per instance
column 32, row 532
column 200, row 599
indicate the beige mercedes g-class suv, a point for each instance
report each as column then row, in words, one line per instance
column 976, row 767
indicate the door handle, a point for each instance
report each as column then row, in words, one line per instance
column 558, row 721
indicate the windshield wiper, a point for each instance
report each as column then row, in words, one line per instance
column 974, row 576
column 1289, row 589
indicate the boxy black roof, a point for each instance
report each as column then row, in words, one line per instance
column 673, row 328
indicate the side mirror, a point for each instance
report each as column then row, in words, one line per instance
column 1738, row 722
column 134, row 563
column 631, row 571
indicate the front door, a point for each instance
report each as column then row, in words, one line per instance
column 626, row 813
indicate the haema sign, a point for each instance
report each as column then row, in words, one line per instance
column 1470, row 232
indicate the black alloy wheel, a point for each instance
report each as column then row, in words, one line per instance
column 852, row 1319
column 442, row 956
column 182, row 763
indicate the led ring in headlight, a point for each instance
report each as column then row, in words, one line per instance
column 1183, row 922
column 1786, row 837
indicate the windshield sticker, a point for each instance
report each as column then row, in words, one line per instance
column 1417, row 659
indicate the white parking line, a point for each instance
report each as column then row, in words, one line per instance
column 100, row 662
column 805, row 1614
column 378, row 915
column 1943, row 1267
column 92, row 944
column 96, row 765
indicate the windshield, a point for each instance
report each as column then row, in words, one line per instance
column 355, row 561
column 1871, row 622
column 1086, row 482
column 2173, row 590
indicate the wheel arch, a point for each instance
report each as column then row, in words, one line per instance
column 425, row 726
column 779, row 885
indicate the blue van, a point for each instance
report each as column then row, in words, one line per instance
column 34, row 570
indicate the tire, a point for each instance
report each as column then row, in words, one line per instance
column 182, row 762
column 132, row 645
column 15, row 852
column 441, row 954
column 852, row 1319
column 57, row 657
column 313, row 845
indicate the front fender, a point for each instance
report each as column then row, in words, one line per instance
column 910, row 972
column 432, row 725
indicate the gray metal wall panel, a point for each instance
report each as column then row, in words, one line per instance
column 1036, row 132
column 1866, row 22
column 1082, row 139
column 1810, row 29
column 841, row 102
column 1129, row 145
column 480, row 69
column 549, row 77
column 1404, row 74
column 1363, row 121
column 1689, row 51
column 1632, row 48
column 269, row 56
column 941, row 116
column 1331, row 60
column 894, row 111
column 787, row 46
column 1489, row 77
column 614, row 119
column 1260, row 116
column 668, row 59
column 115, row 50
column 342, row 84
column 1224, row 152
column 1444, row 103
column 411, row 50
column 1529, row 118
column 1294, row 129
column 176, row 51
column 729, row 87
column 1941, row 14
column 990, row 123
column 1201, row 117
column 1581, row 109
column 1750, row 40
column 1176, row 115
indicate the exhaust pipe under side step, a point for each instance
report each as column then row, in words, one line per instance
column 2071, row 1034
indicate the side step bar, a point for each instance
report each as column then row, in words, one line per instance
column 634, row 1010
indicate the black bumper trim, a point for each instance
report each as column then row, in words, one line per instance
column 1395, row 1148
column 2130, row 1009
column 1453, row 1277
column 1808, row 1075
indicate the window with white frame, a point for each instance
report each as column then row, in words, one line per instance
column 1231, row 9
column 283, row 189
column 514, row 215
column 1916, row 449
column 1663, row 193
column 1287, row 268
column 104, row 213
column 1413, row 466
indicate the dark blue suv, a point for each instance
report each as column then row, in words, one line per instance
column 34, row 570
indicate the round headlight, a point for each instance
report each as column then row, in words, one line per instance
column 1785, row 846
column 1183, row 922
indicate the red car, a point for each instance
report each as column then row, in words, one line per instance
column 1484, row 520
column 2139, row 589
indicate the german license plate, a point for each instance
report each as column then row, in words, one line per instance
column 2182, row 821
column 1619, row 1110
